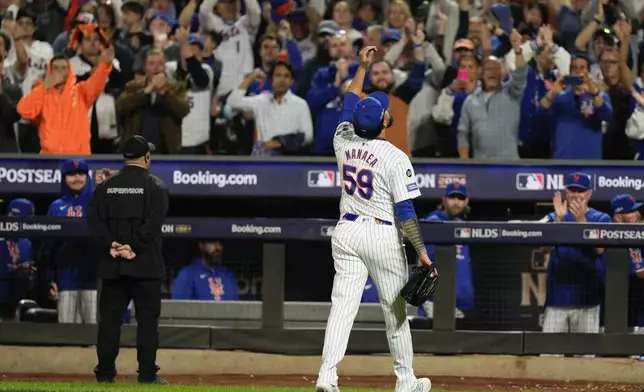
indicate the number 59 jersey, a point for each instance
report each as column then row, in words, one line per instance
column 375, row 174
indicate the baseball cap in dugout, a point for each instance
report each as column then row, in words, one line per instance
column 369, row 114
column 578, row 180
column 456, row 189
column 136, row 147
column 624, row 204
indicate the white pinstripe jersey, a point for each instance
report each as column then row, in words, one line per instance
column 375, row 173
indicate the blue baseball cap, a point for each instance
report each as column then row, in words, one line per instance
column 578, row 180
column 21, row 207
column 391, row 35
column 280, row 9
column 624, row 204
column 75, row 165
column 456, row 188
column 161, row 16
column 196, row 39
column 369, row 114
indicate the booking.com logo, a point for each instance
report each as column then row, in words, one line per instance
column 208, row 178
column 620, row 182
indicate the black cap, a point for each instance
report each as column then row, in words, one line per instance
column 137, row 147
column 606, row 33
column 24, row 13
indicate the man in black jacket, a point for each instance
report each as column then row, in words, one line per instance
column 125, row 216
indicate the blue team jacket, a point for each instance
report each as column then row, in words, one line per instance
column 571, row 126
column 533, row 127
column 636, row 288
column 72, row 261
column 370, row 293
column 199, row 282
column 575, row 275
column 13, row 253
column 325, row 103
column 464, row 284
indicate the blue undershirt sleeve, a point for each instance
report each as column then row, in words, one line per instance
column 405, row 210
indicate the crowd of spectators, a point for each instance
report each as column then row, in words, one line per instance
column 466, row 78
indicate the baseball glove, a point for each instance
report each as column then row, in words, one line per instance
column 420, row 286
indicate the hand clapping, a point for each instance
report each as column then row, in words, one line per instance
column 560, row 205
column 577, row 210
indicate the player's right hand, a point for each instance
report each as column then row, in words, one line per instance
column 560, row 205
column 424, row 260
column 53, row 290
column 366, row 56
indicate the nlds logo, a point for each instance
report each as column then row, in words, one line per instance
column 466, row 232
column 9, row 227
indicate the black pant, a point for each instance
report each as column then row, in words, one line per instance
column 28, row 138
column 114, row 298
column 194, row 150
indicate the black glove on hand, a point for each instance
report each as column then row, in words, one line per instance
column 421, row 285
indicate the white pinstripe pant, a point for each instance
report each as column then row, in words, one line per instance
column 77, row 307
column 360, row 249
column 564, row 319
column 571, row 319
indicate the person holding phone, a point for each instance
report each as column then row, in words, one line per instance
column 447, row 110
column 577, row 106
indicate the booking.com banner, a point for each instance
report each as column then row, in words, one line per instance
column 322, row 178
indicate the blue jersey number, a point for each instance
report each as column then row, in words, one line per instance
column 361, row 181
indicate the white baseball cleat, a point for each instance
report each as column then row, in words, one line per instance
column 326, row 387
column 424, row 385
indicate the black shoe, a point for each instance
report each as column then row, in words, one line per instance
column 104, row 377
column 156, row 380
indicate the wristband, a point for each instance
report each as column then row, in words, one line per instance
column 416, row 46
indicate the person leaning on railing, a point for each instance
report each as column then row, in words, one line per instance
column 575, row 276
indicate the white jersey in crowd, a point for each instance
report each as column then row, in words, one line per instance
column 39, row 54
column 236, row 49
column 195, row 127
column 105, row 104
column 307, row 49
column 376, row 175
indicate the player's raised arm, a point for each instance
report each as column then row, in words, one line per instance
column 352, row 96
column 404, row 189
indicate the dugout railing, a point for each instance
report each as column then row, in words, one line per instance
column 271, row 332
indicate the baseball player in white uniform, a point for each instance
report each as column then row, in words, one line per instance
column 376, row 203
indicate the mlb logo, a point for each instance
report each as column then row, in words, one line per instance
column 321, row 179
column 327, row 231
column 462, row 232
column 531, row 181
column 591, row 234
